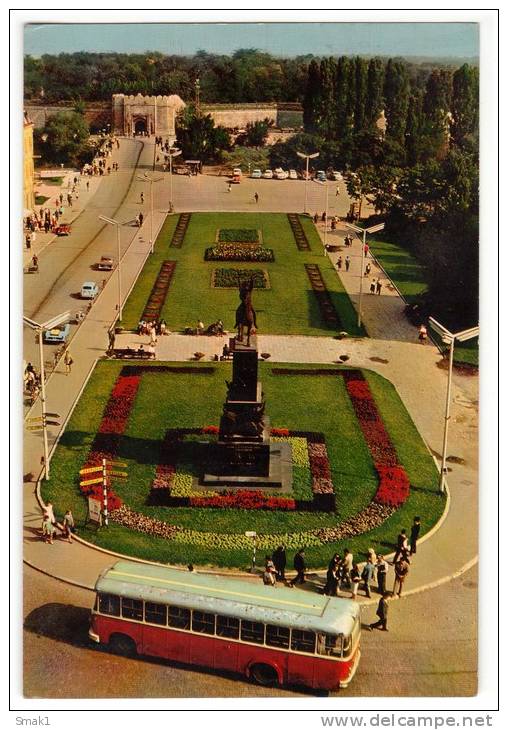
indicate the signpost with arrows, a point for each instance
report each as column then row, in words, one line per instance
column 104, row 472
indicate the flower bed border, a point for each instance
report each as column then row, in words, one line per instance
column 244, row 272
column 246, row 252
column 258, row 241
column 180, row 230
column 328, row 311
column 157, row 297
column 301, row 240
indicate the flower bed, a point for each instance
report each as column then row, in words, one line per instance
column 328, row 311
column 237, row 235
column 159, row 292
column 239, row 252
column 231, row 278
column 301, row 239
column 180, row 230
column 393, row 489
column 113, row 423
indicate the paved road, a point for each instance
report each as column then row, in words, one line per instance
column 417, row 660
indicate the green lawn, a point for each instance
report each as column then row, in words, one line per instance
column 40, row 199
column 288, row 307
column 298, row 402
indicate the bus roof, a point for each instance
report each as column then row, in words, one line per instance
column 230, row 597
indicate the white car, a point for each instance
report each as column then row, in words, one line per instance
column 280, row 174
column 334, row 175
column 105, row 264
column 256, row 174
column 89, row 290
column 293, row 175
column 268, row 174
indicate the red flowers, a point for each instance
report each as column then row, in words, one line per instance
column 211, row 429
column 244, row 499
column 280, row 432
column 393, row 489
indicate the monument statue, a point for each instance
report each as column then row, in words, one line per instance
column 245, row 313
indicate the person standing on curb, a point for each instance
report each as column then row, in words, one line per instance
column 339, row 263
column 378, row 287
column 299, row 566
column 381, row 571
column 348, row 263
column 367, row 575
column 415, row 533
column 279, row 560
column 382, row 613
column 68, row 362
column 402, row 546
column 401, row 571
column 355, row 581
column 111, row 338
column 68, row 525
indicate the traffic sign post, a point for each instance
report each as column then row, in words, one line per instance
column 251, row 533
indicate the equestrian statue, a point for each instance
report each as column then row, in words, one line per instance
column 245, row 314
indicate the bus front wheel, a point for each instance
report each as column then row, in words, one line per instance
column 264, row 675
column 122, row 645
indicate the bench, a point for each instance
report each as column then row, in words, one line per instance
column 128, row 353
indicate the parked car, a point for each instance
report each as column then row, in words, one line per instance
column 256, row 174
column 321, row 176
column 89, row 290
column 306, row 176
column 268, row 174
column 58, row 334
column 280, row 174
column 105, row 264
column 335, row 175
column 293, row 175
column 63, row 229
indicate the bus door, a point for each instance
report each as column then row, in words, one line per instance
column 226, row 652
column 178, row 644
column 300, row 666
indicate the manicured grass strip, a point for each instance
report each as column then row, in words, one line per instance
column 406, row 272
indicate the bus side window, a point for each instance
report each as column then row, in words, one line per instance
column 109, row 604
column 329, row 644
column 178, row 617
column 202, row 622
column 303, row 641
column 277, row 636
column 253, row 632
column 228, row 626
column 131, row 608
column 155, row 613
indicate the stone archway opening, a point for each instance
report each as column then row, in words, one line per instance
column 140, row 126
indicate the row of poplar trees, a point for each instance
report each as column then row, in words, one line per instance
column 424, row 112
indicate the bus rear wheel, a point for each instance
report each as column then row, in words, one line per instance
column 264, row 675
column 122, row 645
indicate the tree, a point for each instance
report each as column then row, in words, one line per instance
column 256, row 133
column 344, row 87
column 64, row 138
column 360, row 93
column 464, row 106
column 436, row 108
column 312, row 98
column 199, row 138
column 396, row 94
column 327, row 104
column 374, row 96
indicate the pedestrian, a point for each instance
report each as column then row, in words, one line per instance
column 323, row 216
column 332, row 576
column 316, row 218
column 333, row 224
column 373, row 286
column 256, row 197
column 87, row 185
column 111, row 338
column 348, row 263
column 269, row 572
column 200, row 327
column 49, row 511
column 401, row 571
column 382, row 613
column 299, row 566
column 153, row 337
column 142, row 197
column 28, row 241
column 337, row 191
column 35, row 260
column 68, row 525
column 68, row 362
column 402, row 545
column 346, row 568
column 367, row 269
column 368, row 574
column 355, row 581
column 140, row 217
column 279, row 555
column 415, row 533
column 229, row 186
column 381, row 572
column 378, row 286
column 61, row 198
column 48, row 529
column 422, row 333
column 339, row 263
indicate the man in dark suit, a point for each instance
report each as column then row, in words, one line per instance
column 382, row 613
column 415, row 533
column 299, row 566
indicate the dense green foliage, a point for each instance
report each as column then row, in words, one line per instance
column 315, row 403
column 199, row 138
column 64, row 139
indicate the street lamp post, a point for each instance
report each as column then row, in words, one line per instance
column 363, row 231
column 117, row 224
column 318, row 182
column 449, row 338
column 173, row 152
column 150, row 180
column 307, row 158
column 40, row 329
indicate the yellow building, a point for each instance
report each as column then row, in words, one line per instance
column 28, row 164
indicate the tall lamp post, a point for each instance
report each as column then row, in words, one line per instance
column 117, row 224
column 318, row 182
column 40, row 329
column 307, row 158
column 173, row 152
column 151, row 180
column 363, row 231
column 449, row 338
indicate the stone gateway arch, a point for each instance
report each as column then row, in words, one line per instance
column 146, row 115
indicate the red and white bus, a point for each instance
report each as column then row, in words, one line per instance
column 273, row 635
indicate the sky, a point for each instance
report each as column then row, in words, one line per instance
column 280, row 39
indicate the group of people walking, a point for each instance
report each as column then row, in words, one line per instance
column 49, row 525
